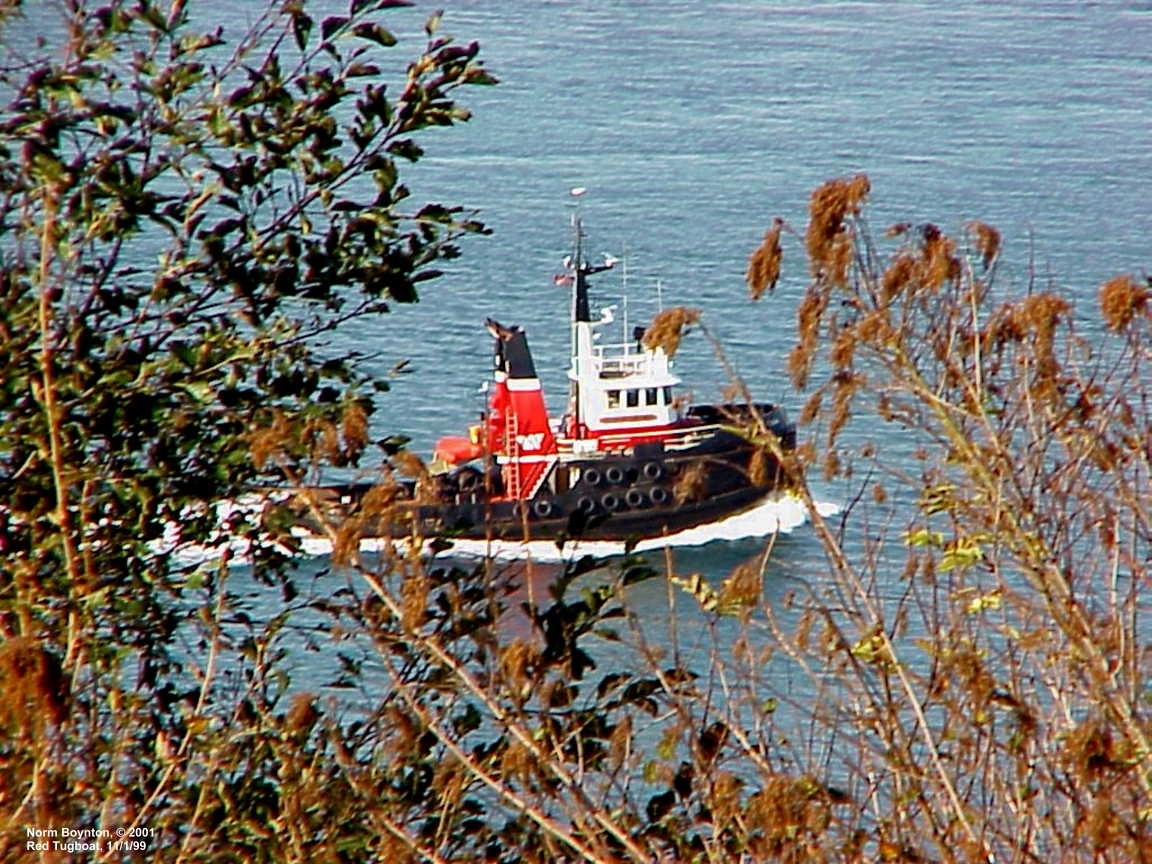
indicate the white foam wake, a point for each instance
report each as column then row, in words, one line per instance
column 780, row 515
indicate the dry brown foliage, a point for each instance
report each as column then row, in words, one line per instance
column 414, row 597
column 325, row 438
column 743, row 588
column 786, row 815
column 1013, row 573
column 1033, row 319
column 378, row 501
column 827, row 239
column 347, row 531
column 811, row 408
column 938, row 259
column 986, row 240
column 764, row 264
column 33, row 689
column 808, row 317
column 1094, row 752
column 1122, row 299
column 896, row 278
column 758, row 468
column 516, row 659
column 927, row 265
column 690, row 484
column 267, row 442
column 845, row 387
column 667, row 328
column 620, row 742
column 302, row 714
column 354, row 428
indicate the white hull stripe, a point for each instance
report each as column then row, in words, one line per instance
column 522, row 385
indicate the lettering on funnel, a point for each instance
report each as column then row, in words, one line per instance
column 531, row 441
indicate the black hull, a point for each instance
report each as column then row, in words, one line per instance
column 649, row 493
column 642, row 523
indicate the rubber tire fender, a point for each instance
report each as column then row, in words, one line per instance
column 652, row 470
column 659, row 496
column 636, row 498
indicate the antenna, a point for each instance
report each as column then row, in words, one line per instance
column 578, row 227
column 575, row 192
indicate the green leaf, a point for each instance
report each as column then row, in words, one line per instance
column 406, row 148
column 375, row 33
column 331, row 25
column 362, row 70
column 301, row 28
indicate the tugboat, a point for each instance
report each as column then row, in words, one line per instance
column 629, row 460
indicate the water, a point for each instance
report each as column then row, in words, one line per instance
column 693, row 124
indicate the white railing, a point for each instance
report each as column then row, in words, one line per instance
column 627, row 359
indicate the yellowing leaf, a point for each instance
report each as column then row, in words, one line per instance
column 991, row 600
column 923, row 537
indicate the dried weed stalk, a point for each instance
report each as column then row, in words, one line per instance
column 764, row 264
column 828, row 238
column 667, row 328
column 986, row 241
column 996, row 648
column 1122, row 300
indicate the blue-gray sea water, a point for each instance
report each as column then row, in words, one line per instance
column 692, row 123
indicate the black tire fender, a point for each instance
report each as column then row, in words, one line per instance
column 652, row 470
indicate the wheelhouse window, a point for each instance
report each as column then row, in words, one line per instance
column 667, row 395
column 613, row 398
column 651, row 396
column 633, row 397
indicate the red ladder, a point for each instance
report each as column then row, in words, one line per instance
column 512, row 447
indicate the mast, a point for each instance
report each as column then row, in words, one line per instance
column 580, row 311
column 583, row 362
